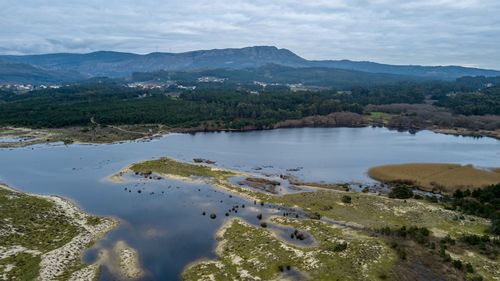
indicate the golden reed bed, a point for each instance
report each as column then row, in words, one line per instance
column 438, row 177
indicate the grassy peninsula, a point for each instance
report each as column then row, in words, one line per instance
column 43, row 237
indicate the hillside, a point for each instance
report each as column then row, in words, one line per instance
column 116, row 64
column 434, row 72
column 28, row 74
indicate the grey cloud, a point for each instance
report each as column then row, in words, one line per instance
column 432, row 32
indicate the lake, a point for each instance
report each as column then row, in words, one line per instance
column 168, row 227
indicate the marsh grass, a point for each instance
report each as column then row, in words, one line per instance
column 436, row 177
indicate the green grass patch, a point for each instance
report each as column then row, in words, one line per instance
column 25, row 267
column 250, row 251
column 168, row 166
column 377, row 211
column 34, row 223
column 379, row 116
column 70, row 270
column 93, row 220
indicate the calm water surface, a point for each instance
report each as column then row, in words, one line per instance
column 167, row 227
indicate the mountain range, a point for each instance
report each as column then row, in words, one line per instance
column 66, row 67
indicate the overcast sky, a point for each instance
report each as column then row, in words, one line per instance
column 430, row 32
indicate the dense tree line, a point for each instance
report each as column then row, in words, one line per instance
column 486, row 101
column 114, row 104
column 236, row 106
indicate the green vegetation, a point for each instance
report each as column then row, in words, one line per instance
column 379, row 117
column 93, row 220
column 419, row 234
column 26, row 266
column 417, row 242
column 33, row 222
column 401, row 191
column 480, row 202
column 373, row 211
column 35, row 228
column 484, row 244
column 216, row 107
column 346, row 199
column 168, row 166
column 409, row 229
column 76, row 105
column 482, row 102
column 69, row 271
column 247, row 252
column 364, row 209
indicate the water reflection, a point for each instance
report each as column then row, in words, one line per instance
column 164, row 222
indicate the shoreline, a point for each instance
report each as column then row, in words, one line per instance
column 43, row 133
column 62, row 259
column 438, row 130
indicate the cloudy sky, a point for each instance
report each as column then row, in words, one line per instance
column 430, row 32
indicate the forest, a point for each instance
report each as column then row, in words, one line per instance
column 232, row 106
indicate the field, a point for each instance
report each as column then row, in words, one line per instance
column 436, row 177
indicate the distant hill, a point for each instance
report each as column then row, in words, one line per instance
column 116, row 64
column 28, row 74
column 273, row 73
column 432, row 72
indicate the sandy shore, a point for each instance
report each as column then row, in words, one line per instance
column 57, row 261
column 118, row 176
column 122, row 261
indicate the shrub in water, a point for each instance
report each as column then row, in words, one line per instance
column 401, row 192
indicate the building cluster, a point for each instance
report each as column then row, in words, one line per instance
column 211, row 79
column 17, row 87
column 158, row 85
column 148, row 85
column 22, row 88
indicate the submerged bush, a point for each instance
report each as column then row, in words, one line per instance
column 401, row 192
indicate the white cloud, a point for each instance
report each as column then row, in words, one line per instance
column 465, row 32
